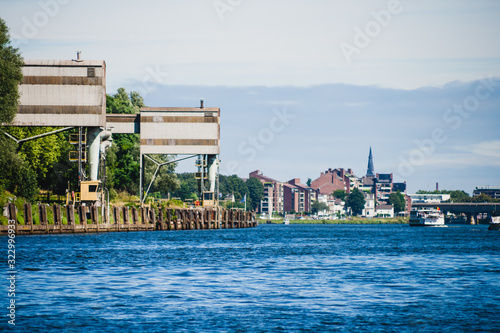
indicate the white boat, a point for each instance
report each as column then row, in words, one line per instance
column 495, row 223
column 426, row 218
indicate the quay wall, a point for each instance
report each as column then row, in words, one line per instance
column 57, row 219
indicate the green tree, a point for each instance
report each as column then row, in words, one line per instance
column 188, row 188
column 15, row 174
column 255, row 193
column 122, row 160
column 166, row 180
column 11, row 76
column 459, row 196
column 398, row 201
column 44, row 153
column 233, row 184
column 309, row 181
column 318, row 206
column 184, row 192
column 484, row 198
column 339, row 194
column 124, row 103
column 356, row 201
column 122, row 163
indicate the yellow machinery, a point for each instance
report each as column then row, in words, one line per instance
column 208, row 199
column 91, row 191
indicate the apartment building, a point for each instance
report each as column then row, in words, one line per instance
column 272, row 201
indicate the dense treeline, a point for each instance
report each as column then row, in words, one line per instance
column 250, row 190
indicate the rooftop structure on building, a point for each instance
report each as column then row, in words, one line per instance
column 382, row 185
column 491, row 191
column 334, row 179
column 429, row 198
column 370, row 171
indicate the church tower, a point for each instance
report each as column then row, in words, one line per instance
column 370, row 170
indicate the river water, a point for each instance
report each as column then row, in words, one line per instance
column 273, row 278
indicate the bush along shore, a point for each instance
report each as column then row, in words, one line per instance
column 351, row 220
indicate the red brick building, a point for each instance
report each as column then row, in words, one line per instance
column 332, row 180
column 297, row 197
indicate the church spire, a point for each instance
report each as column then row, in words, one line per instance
column 370, row 170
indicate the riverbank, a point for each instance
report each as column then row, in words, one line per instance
column 353, row 220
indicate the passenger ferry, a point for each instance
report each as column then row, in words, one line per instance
column 426, row 218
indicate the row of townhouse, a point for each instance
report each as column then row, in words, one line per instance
column 337, row 208
column 293, row 196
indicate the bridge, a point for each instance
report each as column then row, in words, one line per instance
column 471, row 210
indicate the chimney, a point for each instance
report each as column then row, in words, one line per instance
column 437, row 186
column 201, row 102
column 78, row 56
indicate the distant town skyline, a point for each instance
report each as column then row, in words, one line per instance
column 303, row 86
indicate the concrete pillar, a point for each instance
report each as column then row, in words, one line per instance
column 141, row 177
column 212, row 164
column 471, row 219
column 94, row 142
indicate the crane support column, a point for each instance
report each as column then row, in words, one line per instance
column 94, row 141
column 212, row 164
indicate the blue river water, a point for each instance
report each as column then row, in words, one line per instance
column 273, row 278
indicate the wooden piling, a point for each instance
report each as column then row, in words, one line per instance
column 169, row 219
column 28, row 215
column 126, row 217
column 180, row 219
column 42, row 214
column 187, row 220
column 94, row 214
column 56, row 210
column 70, row 214
column 116, row 215
column 144, row 215
column 152, row 216
column 198, row 219
column 160, row 224
column 165, row 219
column 11, row 207
column 135, row 215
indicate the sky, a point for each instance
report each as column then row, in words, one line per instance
column 303, row 86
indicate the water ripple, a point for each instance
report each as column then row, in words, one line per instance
column 271, row 278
